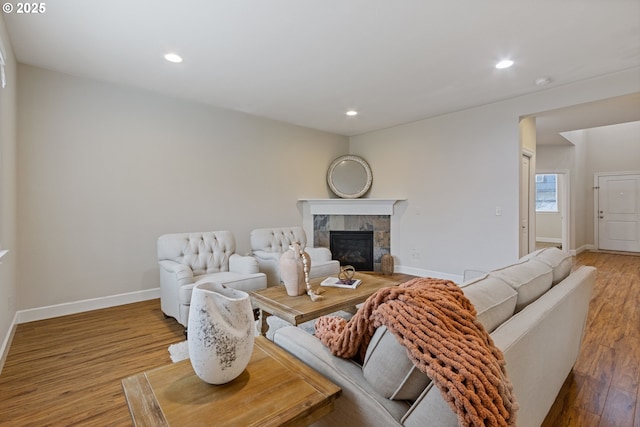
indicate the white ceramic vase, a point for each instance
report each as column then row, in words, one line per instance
column 221, row 332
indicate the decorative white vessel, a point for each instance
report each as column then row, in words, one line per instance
column 221, row 332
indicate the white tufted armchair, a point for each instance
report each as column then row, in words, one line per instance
column 186, row 259
column 267, row 244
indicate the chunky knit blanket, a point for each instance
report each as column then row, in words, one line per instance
column 437, row 325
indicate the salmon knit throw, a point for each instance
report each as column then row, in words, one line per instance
column 437, row 325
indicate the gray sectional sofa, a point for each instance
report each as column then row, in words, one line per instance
column 535, row 311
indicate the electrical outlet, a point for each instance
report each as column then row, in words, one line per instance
column 11, row 303
column 415, row 254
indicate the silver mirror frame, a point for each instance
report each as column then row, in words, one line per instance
column 362, row 162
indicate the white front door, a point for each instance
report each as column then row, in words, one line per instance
column 618, row 212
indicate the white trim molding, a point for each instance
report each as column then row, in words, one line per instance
column 351, row 206
column 6, row 343
column 40, row 313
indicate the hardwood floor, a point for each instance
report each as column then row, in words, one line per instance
column 67, row 371
column 603, row 388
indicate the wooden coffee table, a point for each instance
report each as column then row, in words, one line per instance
column 296, row 310
column 275, row 389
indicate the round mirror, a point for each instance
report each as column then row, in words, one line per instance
column 349, row 177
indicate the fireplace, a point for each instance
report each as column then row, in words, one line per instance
column 326, row 215
column 353, row 248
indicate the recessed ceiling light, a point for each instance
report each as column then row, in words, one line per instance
column 172, row 57
column 505, row 63
column 352, row 113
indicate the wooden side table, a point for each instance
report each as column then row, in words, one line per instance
column 276, row 389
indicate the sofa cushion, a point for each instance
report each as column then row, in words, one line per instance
column 529, row 278
column 493, row 299
column 560, row 262
column 388, row 369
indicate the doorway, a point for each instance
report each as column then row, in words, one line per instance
column 617, row 211
column 552, row 208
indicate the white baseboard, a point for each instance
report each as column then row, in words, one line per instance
column 581, row 249
column 57, row 310
column 4, row 350
column 428, row 273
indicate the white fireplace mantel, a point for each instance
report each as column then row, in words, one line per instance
column 351, row 206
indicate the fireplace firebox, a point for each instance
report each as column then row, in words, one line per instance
column 353, row 248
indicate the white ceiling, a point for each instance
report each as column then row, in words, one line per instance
column 307, row 62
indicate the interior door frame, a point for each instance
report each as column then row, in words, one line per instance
column 564, row 188
column 596, row 197
column 528, row 244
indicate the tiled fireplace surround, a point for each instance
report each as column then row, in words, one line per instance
column 325, row 215
column 379, row 224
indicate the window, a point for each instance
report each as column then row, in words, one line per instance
column 547, row 192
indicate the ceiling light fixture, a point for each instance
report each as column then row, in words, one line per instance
column 172, row 57
column 543, row 81
column 505, row 63
column 352, row 113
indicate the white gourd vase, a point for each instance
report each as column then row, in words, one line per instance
column 221, row 336
column 294, row 271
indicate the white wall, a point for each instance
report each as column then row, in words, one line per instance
column 456, row 169
column 613, row 148
column 8, row 284
column 451, row 170
column 103, row 170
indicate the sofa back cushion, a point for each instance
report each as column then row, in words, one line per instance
column 493, row 299
column 389, row 370
column 277, row 239
column 529, row 278
column 560, row 262
column 204, row 252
